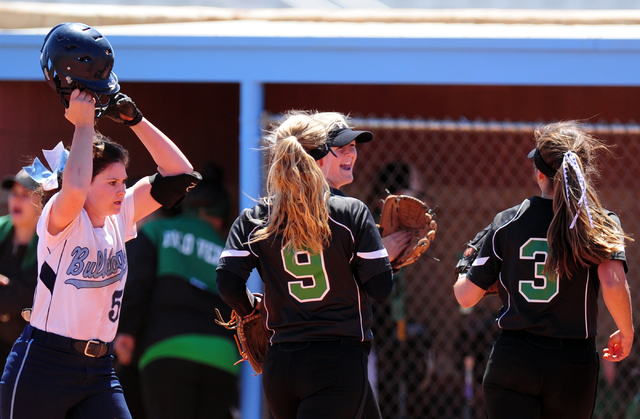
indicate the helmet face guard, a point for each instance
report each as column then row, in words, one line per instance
column 74, row 56
column 64, row 93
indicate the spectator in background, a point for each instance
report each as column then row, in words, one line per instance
column 18, row 258
column 185, row 359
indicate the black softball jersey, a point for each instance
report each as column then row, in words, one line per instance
column 533, row 300
column 307, row 296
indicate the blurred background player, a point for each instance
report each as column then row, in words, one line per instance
column 185, row 360
column 18, row 257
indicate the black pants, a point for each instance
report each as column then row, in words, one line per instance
column 316, row 380
column 178, row 388
column 534, row 377
column 371, row 407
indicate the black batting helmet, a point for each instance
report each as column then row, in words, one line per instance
column 75, row 55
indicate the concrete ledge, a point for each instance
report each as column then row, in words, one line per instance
column 17, row 15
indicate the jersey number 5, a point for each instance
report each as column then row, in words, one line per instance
column 116, row 303
column 530, row 291
column 307, row 268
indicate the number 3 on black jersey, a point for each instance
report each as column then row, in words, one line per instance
column 304, row 265
column 528, row 288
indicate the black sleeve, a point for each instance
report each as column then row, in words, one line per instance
column 234, row 292
column 380, row 285
column 142, row 258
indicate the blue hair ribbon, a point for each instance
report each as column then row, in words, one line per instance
column 57, row 159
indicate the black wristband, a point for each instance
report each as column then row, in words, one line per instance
column 135, row 121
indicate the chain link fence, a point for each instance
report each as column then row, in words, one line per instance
column 429, row 354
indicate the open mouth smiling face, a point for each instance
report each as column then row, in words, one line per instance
column 341, row 171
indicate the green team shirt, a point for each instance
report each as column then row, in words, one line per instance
column 186, row 241
column 172, row 284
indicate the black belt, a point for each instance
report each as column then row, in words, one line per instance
column 548, row 342
column 92, row 348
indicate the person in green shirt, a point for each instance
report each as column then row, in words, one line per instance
column 18, row 262
column 185, row 360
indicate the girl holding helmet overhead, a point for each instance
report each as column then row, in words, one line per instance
column 62, row 364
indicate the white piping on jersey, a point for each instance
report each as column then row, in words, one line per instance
column 359, row 309
column 15, row 384
column 508, row 299
column 493, row 248
column 354, row 279
column 345, row 227
column 586, row 296
column 266, row 318
column 249, row 241
column 350, row 234
column 376, row 254
column 232, row 253
column 493, row 239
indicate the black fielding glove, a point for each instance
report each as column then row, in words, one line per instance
column 122, row 105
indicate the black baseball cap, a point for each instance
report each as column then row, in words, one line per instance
column 342, row 135
column 22, row 178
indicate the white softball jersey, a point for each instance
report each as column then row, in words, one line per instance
column 82, row 273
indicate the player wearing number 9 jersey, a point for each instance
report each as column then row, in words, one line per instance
column 551, row 255
column 321, row 259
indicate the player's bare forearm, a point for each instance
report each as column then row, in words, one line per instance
column 616, row 296
column 168, row 157
column 79, row 166
column 467, row 293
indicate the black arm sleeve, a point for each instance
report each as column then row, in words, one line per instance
column 379, row 287
column 234, row 292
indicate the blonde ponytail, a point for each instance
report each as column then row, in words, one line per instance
column 296, row 188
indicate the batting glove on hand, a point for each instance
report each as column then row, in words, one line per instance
column 123, row 110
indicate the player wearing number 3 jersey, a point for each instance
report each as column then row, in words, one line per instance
column 321, row 259
column 551, row 256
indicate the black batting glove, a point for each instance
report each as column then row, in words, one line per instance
column 123, row 110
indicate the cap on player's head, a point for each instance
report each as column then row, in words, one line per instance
column 341, row 135
column 541, row 165
column 21, row 178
